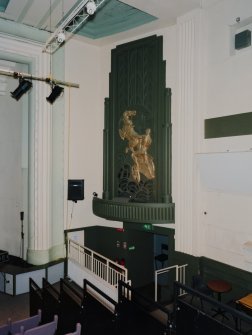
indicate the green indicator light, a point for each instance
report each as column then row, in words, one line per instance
column 147, row 226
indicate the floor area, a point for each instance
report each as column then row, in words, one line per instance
column 16, row 307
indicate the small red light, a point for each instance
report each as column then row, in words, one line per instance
column 121, row 230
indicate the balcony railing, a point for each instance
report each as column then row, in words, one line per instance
column 104, row 268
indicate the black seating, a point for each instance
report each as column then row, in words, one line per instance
column 162, row 257
column 199, row 285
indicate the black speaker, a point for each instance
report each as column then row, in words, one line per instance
column 243, row 39
column 75, row 189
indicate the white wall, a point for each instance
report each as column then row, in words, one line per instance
column 227, row 222
column 13, row 165
column 84, row 130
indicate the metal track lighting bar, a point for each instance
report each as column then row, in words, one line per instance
column 29, row 76
column 68, row 27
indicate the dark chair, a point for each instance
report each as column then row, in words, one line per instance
column 199, row 285
column 162, row 257
column 77, row 330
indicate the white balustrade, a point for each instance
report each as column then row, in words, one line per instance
column 99, row 265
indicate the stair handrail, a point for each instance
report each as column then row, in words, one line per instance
column 49, row 287
column 87, row 283
column 95, row 288
column 180, row 275
column 124, row 287
column 78, row 294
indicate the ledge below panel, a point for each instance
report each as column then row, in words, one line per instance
column 134, row 212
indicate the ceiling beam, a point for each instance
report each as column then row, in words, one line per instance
column 68, row 26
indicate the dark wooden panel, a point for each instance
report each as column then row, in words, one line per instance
column 231, row 125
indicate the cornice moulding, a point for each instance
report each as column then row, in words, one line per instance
column 17, row 30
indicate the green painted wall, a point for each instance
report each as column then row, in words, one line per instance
column 135, row 247
column 240, row 280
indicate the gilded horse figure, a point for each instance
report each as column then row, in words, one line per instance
column 138, row 145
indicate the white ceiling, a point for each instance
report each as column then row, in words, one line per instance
column 113, row 17
column 167, row 10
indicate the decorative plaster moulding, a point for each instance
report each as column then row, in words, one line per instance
column 7, row 66
column 3, row 85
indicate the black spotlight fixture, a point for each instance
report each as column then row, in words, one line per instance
column 56, row 92
column 23, row 87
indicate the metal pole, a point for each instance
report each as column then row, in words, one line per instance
column 22, row 234
column 29, row 76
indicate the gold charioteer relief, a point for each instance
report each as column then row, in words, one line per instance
column 138, row 146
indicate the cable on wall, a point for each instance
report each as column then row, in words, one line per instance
column 68, row 225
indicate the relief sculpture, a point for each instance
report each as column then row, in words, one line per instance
column 138, row 146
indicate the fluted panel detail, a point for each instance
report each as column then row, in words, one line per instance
column 134, row 212
column 186, row 129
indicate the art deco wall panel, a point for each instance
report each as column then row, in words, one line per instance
column 137, row 136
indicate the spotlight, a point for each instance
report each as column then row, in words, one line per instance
column 56, row 91
column 61, row 37
column 91, row 7
column 23, row 87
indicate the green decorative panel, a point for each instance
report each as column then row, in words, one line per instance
column 231, row 125
column 137, row 136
